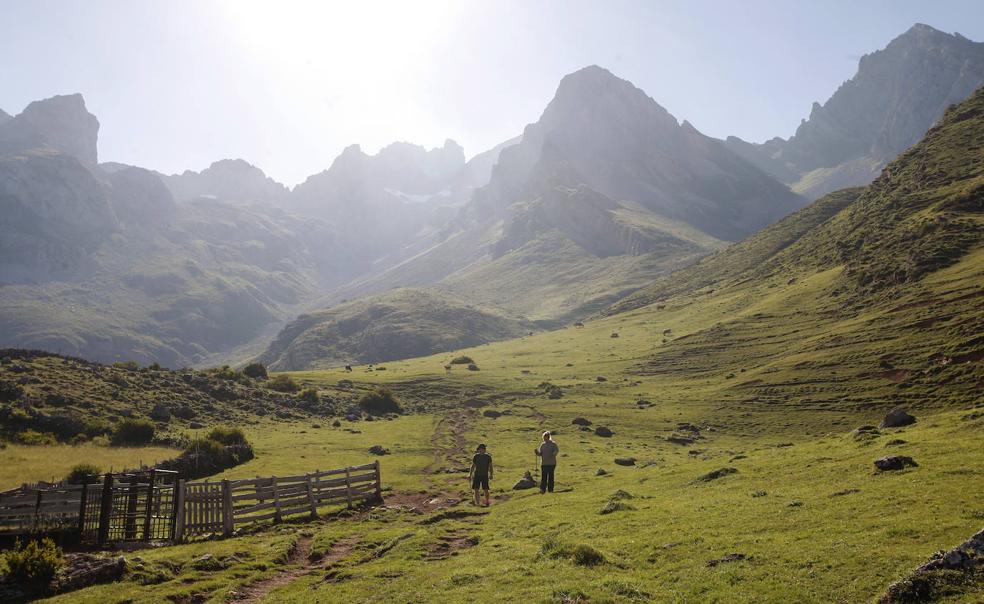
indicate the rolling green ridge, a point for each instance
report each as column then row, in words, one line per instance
column 399, row 324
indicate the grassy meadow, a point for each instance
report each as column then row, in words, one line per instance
column 804, row 518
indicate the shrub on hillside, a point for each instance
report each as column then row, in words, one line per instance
column 379, row 402
column 257, row 371
column 129, row 365
column 35, row 438
column 227, row 436
column 84, row 473
column 472, row 367
column 462, row 360
column 9, row 391
column 309, row 396
column 283, row 383
column 211, row 455
column 35, row 563
column 133, row 432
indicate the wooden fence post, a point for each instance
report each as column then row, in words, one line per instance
column 82, row 503
column 276, row 500
column 150, row 508
column 37, row 512
column 348, row 488
column 131, row 511
column 379, row 483
column 310, row 493
column 227, row 520
column 105, row 509
column 177, row 527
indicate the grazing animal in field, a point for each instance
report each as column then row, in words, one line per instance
column 348, row 368
column 447, row 369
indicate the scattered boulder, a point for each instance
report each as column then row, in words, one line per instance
column 604, row 432
column 895, row 462
column 526, row 482
column 897, row 418
column 208, row 563
column 625, row 461
column 601, row 472
column 601, row 378
column 85, row 570
column 580, row 421
column 682, row 439
column 896, row 442
column 943, row 568
column 615, row 505
column 378, row 450
column 336, row 424
column 719, row 473
column 614, row 334
column 491, row 413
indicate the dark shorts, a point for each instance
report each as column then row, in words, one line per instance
column 480, row 482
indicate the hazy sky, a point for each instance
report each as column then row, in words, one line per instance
column 286, row 85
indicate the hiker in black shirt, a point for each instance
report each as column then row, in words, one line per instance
column 481, row 473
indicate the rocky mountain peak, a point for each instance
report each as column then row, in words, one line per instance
column 226, row 179
column 61, row 123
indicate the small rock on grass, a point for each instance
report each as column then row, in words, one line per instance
column 378, row 450
column 895, row 462
column 625, row 461
column 603, row 431
column 728, row 558
column 601, row 472
column 719, row 473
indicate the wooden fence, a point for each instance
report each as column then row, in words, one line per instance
column 155, row 505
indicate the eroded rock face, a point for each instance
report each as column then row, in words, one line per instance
column 898, row 93
column 55, row 213
column 227, row 180
column 61, row 123
column 602, row 132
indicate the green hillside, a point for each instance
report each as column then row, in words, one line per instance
column 399, row 324
column 742, row 396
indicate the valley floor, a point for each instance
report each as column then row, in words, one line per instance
column 804, row 516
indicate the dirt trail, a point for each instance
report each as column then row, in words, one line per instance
column 300, row 558
column 450, row 444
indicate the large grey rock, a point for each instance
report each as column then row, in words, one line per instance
column 60, row 123
column 897, row 418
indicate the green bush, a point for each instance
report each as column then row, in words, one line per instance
column 283, row 383
column 379, row 402
column 257, row 371
column 310, row 396
column 35, row 438
column 585, row 555
column 84, row 473
column 133, row 432
column 582, row 555
column 227, row 436
column 462, row 360
column 131, row 365
column 35, row 563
